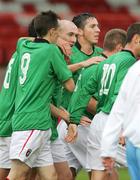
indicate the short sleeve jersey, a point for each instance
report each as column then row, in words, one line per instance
column 41, row 65
column 76, row 57
column 106, row 81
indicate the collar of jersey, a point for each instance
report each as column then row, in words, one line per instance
column 77, row 44
column 40, row 40
column 102, row 54
column 128, row 52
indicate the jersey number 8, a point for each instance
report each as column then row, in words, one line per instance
column 6, row 83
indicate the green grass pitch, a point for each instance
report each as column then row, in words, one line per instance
column 123, row 175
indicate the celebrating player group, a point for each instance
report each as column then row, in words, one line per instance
column 67, row 104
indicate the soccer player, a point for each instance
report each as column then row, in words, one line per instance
column 125, row 115
column 85, row 47
column 7, row 101
column 7, row 96
column 114, row 41
column 67, row 37
column 106, row 81
column 41, row 64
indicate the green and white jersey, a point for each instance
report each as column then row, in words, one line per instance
column 76, row 57
column 106, row 81
column 7, row 97
column 41, row 65
column 83, row 78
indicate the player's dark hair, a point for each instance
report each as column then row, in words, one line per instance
column 80, row 20
column 44, row 22
column 114, row 37
column 133, row 30
column 31, row 29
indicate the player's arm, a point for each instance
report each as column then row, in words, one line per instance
column 92, row 106
column 60, row 112
column 69, row 85
column 94, row 60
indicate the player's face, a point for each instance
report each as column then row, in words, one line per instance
column 69, row 34
column 137, row 50
column 54, row 35
column 91, row 31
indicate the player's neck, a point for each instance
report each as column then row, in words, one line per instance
column 85, row 46
column 131, row 47
column 109, row 53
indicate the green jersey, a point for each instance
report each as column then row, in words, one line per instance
column 7, row 97
column 81, row 82
column 83, row 78
column 76, row 57
column 106, row 81
column 41, row 65
column 56, row 100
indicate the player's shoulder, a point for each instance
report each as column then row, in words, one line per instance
column 55, row 49
column 98, row 49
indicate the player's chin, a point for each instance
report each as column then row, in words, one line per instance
column 96, row 40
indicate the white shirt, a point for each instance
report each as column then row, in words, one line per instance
column 124, row 114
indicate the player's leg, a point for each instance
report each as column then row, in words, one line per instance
column 60, row 161
column 94, row 160
column 138, row 160
column 103, row 175
column 5, row 163
column 4, row 173
column 63, row 171
column 19, row 170
column 132, row 160
column 44, row 162
column 32, row 150
column 33, row 174
column 47, row 173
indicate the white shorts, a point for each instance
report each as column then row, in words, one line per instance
column 58, row 151
column 32, row 147
column 79, row 147
column 75, row 152
column 94, row 160
column 4, row 152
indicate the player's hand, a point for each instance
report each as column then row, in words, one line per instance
column 108, row 163
column 85, row 121
column 65, row 46
column 64, row 114
column 72, row 133
column 93, row 60
column 122, row 140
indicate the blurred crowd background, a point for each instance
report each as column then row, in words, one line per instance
column 15, row 16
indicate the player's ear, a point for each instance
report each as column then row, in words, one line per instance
column 136, row 39
column 80, row 31
column 119, row 47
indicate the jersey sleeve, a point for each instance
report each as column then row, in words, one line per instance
column 78, row 105
column 59, row 65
